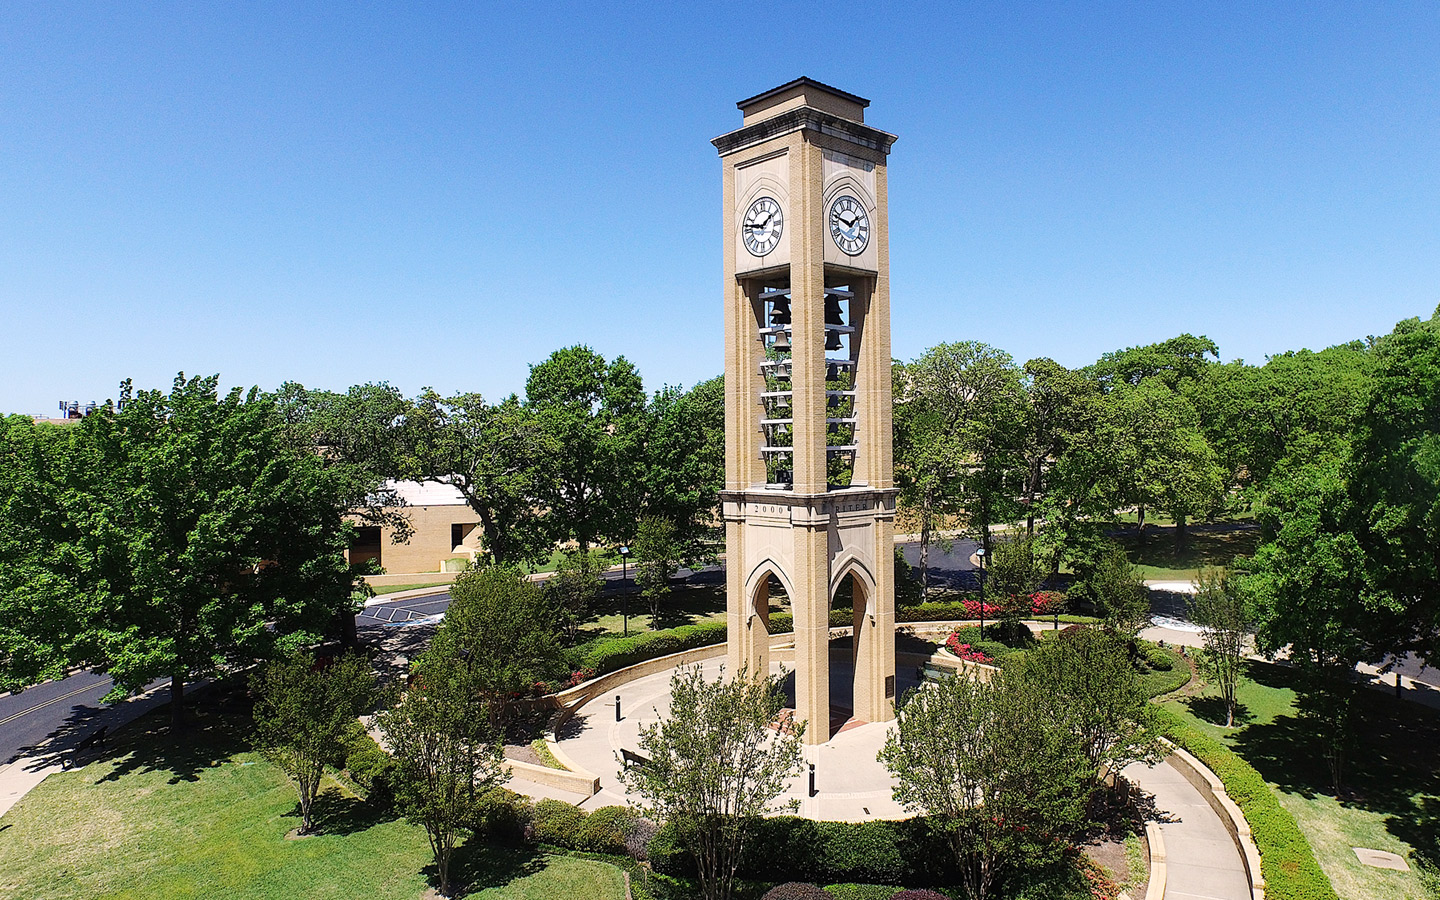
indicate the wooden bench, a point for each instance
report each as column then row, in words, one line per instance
column 630, row 757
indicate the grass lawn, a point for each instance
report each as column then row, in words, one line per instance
column 684, row 606
column 1395, row 792
column 1205, row 545
column 209, row 821
column 397, row 588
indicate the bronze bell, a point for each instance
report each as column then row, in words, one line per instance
column 833, row 316
column 782, row 342
column 780, row 312
column 832, row 372
column 832, row 340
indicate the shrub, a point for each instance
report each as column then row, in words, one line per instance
column 861, row 891
column 919, row 895
column 371, row 768
column 504, row 815
column 557, row 822
column 610, row 653
column 1286, row 860
column 667, row 854
column 605, row 829
column 1157, row 658
column 797, row 890
column 637, row 839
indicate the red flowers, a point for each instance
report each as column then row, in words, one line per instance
column 1044, row 603
column 965, row 651
column 973, row 609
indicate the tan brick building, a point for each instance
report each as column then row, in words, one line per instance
column 445, row 536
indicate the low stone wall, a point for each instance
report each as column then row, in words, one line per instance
column 575, row 782
column 1153, row 837
column 1213, row 790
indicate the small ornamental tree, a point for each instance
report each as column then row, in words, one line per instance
column 985, row 761
column 1082, row 680
column 446, row 756
column 304, row 713
column 501, row 631
column 1121, row 597
column 1218, row 608
column 1015, row 572
column 573, row 589
column 716, row 765
column 657, row 556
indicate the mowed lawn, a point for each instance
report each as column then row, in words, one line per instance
column 210, row 821
column 1393, row 801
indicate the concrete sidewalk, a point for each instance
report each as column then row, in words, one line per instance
column 853, row 786
column 1202, row 861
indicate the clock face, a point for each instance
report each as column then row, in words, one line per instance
column 762, row 226
column 849, row 225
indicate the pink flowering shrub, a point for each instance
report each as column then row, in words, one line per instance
column 973, row 609
column 1044, row 603
column 965, row 651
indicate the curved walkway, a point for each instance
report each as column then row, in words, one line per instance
column 1203, row 860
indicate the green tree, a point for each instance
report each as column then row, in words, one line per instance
column 685, row 463
column 959, row 411
column 502, row 630
column 494, row 454
column 657, row 557
column 953, row 754
column 190, row 533
column 303, row 715
column 42, row 571
column 716, row 765
column 1057, row 402
column 1014, row 572
column 1393, row 483
column 573, row 589
column 1218, row 607
column 594, row 416
column 1084, row 682
column 1119, row 593
column 446, row 757
column 1165, row 462
column 1172, row 362
column 1307, row 583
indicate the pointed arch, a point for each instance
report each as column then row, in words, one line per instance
column 851, row 564
column 760, row 574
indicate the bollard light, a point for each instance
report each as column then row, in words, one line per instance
column 617, row 707
column 812, row 779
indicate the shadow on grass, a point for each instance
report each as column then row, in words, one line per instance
column 216, row 729
column 1390, row 767
column 334, row 812
column 478, row 865
column 1212, row 710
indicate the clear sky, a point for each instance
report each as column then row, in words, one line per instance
column 442, row 194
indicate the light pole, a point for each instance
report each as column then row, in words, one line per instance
column 624, row 594
column 980, row 557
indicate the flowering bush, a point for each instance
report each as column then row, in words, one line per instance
column 1044, row 603
column 965, row 651
column 1101, row 887
column 973, row 609
column 578, row 676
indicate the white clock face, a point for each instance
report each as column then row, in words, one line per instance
column 849, row 225
column 762, row 226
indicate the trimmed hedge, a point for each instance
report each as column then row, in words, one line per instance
column 784, row 848
column 862, row 891
column 1286, row 860
column 797, row 890
column 1168, row 670
column 606, row 654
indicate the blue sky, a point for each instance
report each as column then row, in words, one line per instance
column 442, row 194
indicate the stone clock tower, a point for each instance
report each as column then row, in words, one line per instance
column 809, row 501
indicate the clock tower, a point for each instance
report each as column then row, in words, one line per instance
column 809, row 503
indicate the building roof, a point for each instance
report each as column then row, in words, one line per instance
column 426, row 493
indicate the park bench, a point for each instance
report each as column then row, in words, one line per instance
column 630, row 757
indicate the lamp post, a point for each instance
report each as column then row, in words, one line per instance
column 624, row 594
column 980, row 557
